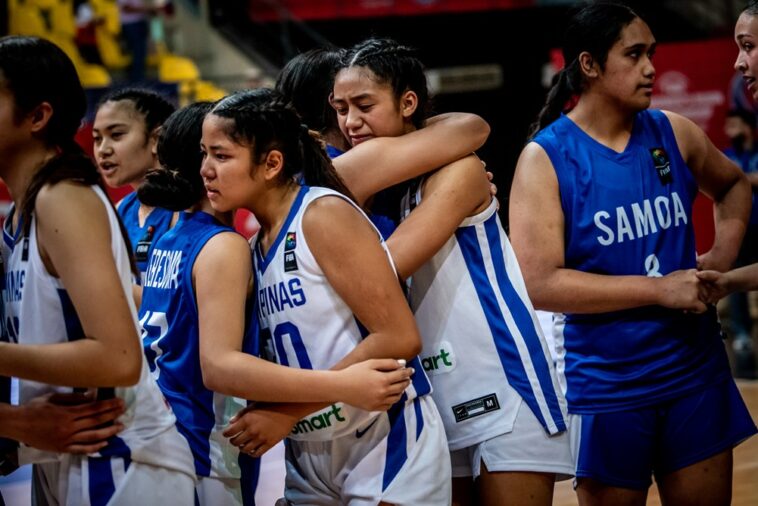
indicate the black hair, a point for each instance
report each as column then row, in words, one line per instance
column 751, row 8
column 394, row 64
column 264, row 120
column 34, row 71
column 594, row 29
column 307, row 81
column 177, row 185
column 747, row 116
column 152, row 106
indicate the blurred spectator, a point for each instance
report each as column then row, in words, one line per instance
column 135, row 18
column 740, row 128
column 86, row 39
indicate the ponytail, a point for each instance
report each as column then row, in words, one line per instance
column 567, row 85
column 263, row 120
column 177, row 185
column 317, row 167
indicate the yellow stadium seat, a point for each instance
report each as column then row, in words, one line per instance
column 174, row 69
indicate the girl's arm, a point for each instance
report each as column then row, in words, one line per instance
column 220, row 275
column 75, row 241
column 386, row 161
column 536, row 233
column 46, row 424
column 719, row 285
column 348, row 250
column 721, row 180
column 451, row 194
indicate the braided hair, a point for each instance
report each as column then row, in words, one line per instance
column 153, row 108
column 394, row 64
column 264, row 120
column 594, row 29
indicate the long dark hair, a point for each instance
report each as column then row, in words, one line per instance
column 177, row 185
column 396, row 65
column 307, row 81
column 34, row 71
column 594, row 29
column 264, row 120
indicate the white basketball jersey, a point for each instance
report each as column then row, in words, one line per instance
column 308, row 323
column 38, row 310
column 480, row 334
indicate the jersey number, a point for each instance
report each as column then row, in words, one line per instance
column 154, row 327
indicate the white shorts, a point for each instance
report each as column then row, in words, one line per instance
column 217, row 491
column 399, row 458
column 69, row 482
column 526, row 448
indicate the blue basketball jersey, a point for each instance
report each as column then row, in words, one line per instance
column 143, row 237
column 629, row 213
column 171, row 341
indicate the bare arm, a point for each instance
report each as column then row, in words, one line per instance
column 720, row 284
column 451, row 194
column 74, row 234
column 220, row 274
column 537, row 228
column 721, row 180
column 385, row 161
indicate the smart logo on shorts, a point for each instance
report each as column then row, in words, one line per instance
column 442, row 360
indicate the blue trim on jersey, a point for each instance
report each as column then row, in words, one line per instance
column 11, row 239
column 507, row 349
column 419, row 417
column 333, row 152
column 74, row 330
column 523, row 318
column 396, row 442
column 101, row 485
column 263, row 262
column 420, row 381
column 250, row 469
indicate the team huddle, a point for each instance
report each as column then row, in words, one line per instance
column 380, row 322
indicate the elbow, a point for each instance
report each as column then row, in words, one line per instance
column 479, row 129
column 127, row 373
column 411, row 346
column 213, row 374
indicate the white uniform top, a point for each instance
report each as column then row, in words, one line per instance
column 480, row 331
column 38, row 310
column 309, row 324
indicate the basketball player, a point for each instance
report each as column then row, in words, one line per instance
column 67, row 285
column 493, row 380
column 193, row 314
column 601, row 221
column 125, row 135
column 328, row 297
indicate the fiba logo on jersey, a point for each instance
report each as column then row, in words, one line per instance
column 290, row 243
column 662, row 164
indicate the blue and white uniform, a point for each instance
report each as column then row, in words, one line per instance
column 484, row 351
column 171, row 340
column 149, row 452
column 629, row 213
column 144, row 236
column 342, row 454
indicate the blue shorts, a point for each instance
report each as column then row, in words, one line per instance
column 624, row 448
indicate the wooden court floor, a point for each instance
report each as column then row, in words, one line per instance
column 745, row 484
